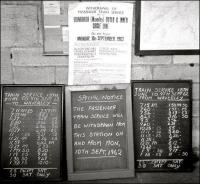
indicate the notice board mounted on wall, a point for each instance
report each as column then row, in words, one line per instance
column 55, row 27
column 162, row 115
column 167, row 27
column 31, row 136
column 99, row 132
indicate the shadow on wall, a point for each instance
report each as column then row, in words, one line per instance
column 195, row 157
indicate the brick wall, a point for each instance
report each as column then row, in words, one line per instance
column 22, row 61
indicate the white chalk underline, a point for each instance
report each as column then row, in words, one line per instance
column 95, row 157
column 100, row 101
column 24, row 105
column 165, row 100
column 158, row 159
column 28, row 168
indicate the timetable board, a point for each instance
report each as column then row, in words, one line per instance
column 99, row 132
column 162, row 125
column 31, row 144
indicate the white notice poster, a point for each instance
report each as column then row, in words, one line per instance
column 51, row 7
column 100, row 35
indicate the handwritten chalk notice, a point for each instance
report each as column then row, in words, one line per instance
column 31, row 132
column 162, row 116
column 99, row 130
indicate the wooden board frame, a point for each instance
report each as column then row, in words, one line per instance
column 103, row 174
column 49, row 53
column 140, row 52
column 189, row 82
column 62, row 151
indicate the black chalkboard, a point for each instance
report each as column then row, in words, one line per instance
column 31, row 132
column 99, row 131
column 162, row 123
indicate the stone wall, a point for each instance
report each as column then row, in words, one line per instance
column 22, row 60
